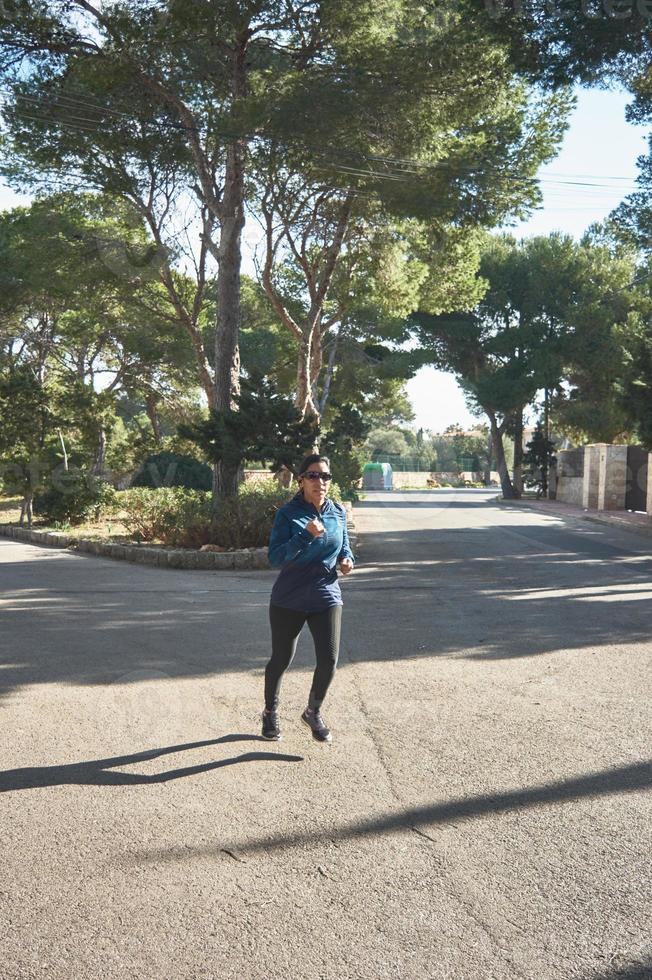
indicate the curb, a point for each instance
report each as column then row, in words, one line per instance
column 246, row 559
column 243, row 560
column 622, row 525
column 617, row 522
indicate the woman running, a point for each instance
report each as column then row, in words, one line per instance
column 309, row 538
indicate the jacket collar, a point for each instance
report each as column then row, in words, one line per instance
column 300, row 501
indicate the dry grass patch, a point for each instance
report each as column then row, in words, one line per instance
column 105, row 529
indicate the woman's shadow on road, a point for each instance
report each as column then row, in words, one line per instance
column 99, row 772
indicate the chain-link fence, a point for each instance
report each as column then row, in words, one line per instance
column 427, row 464
column 413, row 464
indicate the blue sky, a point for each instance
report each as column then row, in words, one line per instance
column 594, row 170
column 8, row 199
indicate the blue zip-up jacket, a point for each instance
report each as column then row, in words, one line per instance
column 308, row 578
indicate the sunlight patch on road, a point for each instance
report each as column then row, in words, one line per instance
column 27, row 600
column 616, row 598
column 410, row 563
column 586, row 593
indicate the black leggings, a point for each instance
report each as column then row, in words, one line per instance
column 286, row 625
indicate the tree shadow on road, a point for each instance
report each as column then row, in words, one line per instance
column 626, row 779
column 499, row 591
column 98, row 772
column 486, row 589
column 640, row 970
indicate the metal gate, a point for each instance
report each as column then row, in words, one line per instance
column 636, row 492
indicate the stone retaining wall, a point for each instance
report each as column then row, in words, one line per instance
column 570, row 490
column 596, row 476
column 142, row 554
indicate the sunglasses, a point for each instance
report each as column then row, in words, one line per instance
column 314, row 475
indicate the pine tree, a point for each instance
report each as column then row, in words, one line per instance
column 538, row 458
column 264, row 425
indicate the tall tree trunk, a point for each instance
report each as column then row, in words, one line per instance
column 518, row 454
column 63, row 448
column 303, row 375
column 226, row 477
column 151, row 407
column 316, row 361
column 546, row 432
column 305, row 361
column 545, row 487
column 29, row 509
column 499, row 452
column 330, row 371
column 227, row 351
column 487, row 470
column 97, row 469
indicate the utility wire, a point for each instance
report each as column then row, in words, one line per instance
column 76, row 101
column 81, row 124
column 401, row 166
column 397, row 170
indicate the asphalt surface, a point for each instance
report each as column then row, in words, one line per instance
column 484, row 811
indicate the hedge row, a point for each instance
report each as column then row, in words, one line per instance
column 178, row 517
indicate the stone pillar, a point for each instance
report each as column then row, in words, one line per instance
column 591, row 483
column 648, row 506
column 613, row 477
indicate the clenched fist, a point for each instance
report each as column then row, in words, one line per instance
column 316, row 528
column 346, row 566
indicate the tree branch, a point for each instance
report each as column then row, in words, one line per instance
column 270, row 251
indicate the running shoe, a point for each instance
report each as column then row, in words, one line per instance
column 271, row 729
column 317, row 725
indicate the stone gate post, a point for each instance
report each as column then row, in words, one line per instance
column 612, row 483
column 591, row 485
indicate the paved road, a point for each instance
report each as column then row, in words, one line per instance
column 484, row 812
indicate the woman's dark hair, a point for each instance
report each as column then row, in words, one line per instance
column 311, row 460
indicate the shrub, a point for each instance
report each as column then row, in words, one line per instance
column 168, row 469
column 75, row 496
column 194, row 525
column 245, row 520
column 184, row 518
column 169, row 514
column 334, row 492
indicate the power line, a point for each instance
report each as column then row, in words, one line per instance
column 76, row 101
column 634, row 282
column 80, row 124
column 401, row 166
column 398, row 169
column 591, row 176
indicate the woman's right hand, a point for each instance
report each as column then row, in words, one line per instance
column 315, row 527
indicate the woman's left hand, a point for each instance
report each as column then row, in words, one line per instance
column 346, row 566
